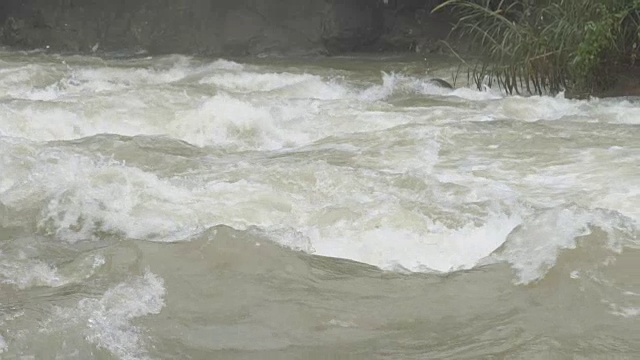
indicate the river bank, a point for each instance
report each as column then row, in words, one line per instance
column 223, row 28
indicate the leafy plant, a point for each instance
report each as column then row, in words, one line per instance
column 548, row 46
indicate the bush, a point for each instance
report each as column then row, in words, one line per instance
column 575, row 45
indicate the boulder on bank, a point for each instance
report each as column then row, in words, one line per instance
column 440, row 83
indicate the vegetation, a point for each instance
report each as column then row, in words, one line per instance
column 547, row 46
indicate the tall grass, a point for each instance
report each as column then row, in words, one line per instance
column 548, row 46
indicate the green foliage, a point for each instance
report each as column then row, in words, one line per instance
column 550, row 45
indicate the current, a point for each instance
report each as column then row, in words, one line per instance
column 178, row 207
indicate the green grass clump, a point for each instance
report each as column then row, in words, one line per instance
column 548, row 46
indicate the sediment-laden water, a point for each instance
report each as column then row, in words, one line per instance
column 183, row 208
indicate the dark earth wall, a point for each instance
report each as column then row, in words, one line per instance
column 222, row 27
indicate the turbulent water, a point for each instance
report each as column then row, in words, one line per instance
column 183, row 208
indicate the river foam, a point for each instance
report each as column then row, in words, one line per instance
column 181, row 207
column 107, row 322
column 332, row 160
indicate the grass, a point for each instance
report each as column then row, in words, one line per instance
column 548, row 46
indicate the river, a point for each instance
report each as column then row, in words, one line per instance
column 310, row 208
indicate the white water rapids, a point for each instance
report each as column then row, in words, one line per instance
column 175, row 207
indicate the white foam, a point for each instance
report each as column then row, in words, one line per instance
column 348, row 206
column 227, row 121
column 535, row 108
column 108, row 197
column 533, row 249
column 341, row 323
column 67, row 83
column 380, row 92
column 548, row 108
column 616, row 111
column 222, row 64
column 398, row 247
column 83, row 197
column 625, row 312
column 251, row 81
column 473, row 94
column 3, row 345
column 25, row 273
column 398, row 83
column 107, row 321
column 78, row 197
column 132, row 108
column 52, row 124
column 393, row 83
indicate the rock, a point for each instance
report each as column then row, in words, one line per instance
column 230, row 27
column 411, row 27
column 351, row 25
column 441, row 83
column 220, row 27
